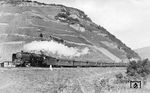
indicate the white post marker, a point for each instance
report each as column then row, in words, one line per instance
column 50, row 67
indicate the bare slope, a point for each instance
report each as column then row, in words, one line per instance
column 22, row 21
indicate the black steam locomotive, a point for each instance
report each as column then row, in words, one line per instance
column 25, row 59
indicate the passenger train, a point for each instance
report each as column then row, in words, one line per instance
column 25, row 59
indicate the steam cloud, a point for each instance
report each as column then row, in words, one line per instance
column 52, row 47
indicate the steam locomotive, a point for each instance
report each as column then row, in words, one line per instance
column 25, row 59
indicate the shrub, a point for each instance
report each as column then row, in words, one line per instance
column 65, row 11
column 62, row 15
column 102, row 85
column 119, row 76
column 139, row 69
column 67, row 18
column 121, row 79
column 101, row 28
column 72, row 20
column 86, row 17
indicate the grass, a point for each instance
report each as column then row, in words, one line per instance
column 41, row 80
column 63, row 80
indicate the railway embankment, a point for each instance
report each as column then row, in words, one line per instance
column 64, row 80
column 45, row 80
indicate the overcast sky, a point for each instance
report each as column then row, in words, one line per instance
column 128, row 20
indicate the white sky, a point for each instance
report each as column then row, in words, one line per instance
column 128, row 20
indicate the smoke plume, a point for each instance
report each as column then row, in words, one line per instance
column 52, row 47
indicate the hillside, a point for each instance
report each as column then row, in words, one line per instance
column 144, row 52
column 58, row 31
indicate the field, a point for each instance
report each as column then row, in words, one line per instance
column 60, row 80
